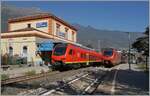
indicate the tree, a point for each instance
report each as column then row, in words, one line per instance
column 142, row 44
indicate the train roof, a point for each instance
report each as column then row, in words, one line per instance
column 80, row 45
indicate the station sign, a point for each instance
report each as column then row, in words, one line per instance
column 41, row 24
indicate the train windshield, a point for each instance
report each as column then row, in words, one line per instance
column 60, row 49
column 108, row 53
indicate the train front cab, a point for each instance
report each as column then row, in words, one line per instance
column 108, row 57
column 111, row 58
column 58, row 56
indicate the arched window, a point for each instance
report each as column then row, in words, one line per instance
column 10, row 50
column 25, row 50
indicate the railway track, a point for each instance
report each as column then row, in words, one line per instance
column 32, row 77
column 80, row 84
column 26, row 78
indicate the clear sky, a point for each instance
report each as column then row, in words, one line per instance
column 112, row 15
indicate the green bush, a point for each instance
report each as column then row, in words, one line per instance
column 4, row 76
column 30, row 73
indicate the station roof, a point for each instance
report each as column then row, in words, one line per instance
column 40, row 16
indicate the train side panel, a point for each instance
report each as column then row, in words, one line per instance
column 74, row 55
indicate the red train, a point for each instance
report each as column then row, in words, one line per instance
column 111, row 57
column 67, row 55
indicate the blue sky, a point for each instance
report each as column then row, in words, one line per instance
column 112, row 15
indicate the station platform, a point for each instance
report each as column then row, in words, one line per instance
column 15, row 72
column 122, row 81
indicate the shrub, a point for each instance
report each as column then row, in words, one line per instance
column 143, row 67
column 30, row 73
column 4, row 76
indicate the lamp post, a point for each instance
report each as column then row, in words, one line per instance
column 129, row 50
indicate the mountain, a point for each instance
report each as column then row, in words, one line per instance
column 9, row 11
column 107, row 38
column 86, row 34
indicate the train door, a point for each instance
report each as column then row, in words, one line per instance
column 78, row 56
column 71, row 55
column 88, row 58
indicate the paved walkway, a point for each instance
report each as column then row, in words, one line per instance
column 133, row 82
column 122, row 81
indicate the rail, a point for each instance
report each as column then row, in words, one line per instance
column 25, row 78
column 83, row 84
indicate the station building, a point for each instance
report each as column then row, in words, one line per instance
column 26, row 33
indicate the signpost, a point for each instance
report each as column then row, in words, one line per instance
column 129, row 51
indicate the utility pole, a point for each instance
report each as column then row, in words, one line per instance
column 99, row 45
column 129, row 51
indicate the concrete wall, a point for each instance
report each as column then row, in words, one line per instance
column 50, row 29
column 23, row 24
column 62, row 29
column 17, row 45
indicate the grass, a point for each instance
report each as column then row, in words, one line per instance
column 30, row 73
column 143, row 67
column 4, row 76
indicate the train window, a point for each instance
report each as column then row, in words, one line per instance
column 71, row 52
column 91, row 57
column 108, row 53
column 83, row 55
column 60, row 50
